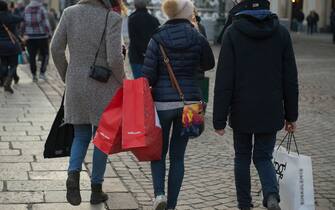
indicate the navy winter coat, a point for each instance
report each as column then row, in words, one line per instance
column 188, row 52
column 11, row 22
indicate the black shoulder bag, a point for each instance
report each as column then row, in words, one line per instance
column 60, row 138
column 100, row 73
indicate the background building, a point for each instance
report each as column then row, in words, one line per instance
column 285, row 9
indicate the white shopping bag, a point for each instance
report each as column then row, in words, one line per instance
column 295, row 177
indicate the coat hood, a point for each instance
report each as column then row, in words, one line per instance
column 176, row 34
column 258, row 25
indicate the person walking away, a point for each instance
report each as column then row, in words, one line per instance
column 86, row 96
column 141, row 26
column 188, row 51
column 311, row 23
column 52, row 17
column 10, row 46
column 300, row 16
column 37, row 33
column 332, row 21
column 316, row 22
column 257, row 86
column 201, row 28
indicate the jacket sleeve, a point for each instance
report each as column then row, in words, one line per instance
column 207, row 60
column 224, row 83
column 150, row 66
column 58, row 47
column 114, row 46
column 290, row 82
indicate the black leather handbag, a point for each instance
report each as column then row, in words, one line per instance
column 100, row 73
column 60, row 138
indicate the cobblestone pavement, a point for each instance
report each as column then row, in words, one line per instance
column 209, row 181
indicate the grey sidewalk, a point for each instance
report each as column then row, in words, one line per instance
column 27, row 180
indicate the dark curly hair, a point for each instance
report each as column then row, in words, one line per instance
column 3, row 6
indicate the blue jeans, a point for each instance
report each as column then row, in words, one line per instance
column 261, row 153
column 168, row 119
column 137, row 70
column 82, row 137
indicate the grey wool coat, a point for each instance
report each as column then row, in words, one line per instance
column 80, row 29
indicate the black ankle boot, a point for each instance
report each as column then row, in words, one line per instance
column 7, row 85
column 73, row 189
column 98, row 196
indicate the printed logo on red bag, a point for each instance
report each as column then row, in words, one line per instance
column 135, row 132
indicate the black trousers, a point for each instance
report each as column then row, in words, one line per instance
column 40, row 46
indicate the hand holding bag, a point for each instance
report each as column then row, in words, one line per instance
column 193, row 118
column 100, row 73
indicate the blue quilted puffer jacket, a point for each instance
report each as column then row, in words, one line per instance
column 188, row 51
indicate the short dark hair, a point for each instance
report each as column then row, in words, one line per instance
column 3, row 6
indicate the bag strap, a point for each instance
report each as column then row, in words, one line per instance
column 173, row 78
column 102, row 38
column 289, row 137
column 10, row 34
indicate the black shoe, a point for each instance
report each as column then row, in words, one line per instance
column 1, row 81
column 98, row 196
column 16, row 79
column 9, row 89
column 272, row 203
column 73, row 189
column 248, row 208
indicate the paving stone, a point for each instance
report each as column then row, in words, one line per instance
column 4, row 145
column 14, row 171
column 60, row 166
column 14, row 207
column 66, row 206
column 16, row 159
column 20, row 138
column 109, row 170
column 42, row 185
column 9, row 152
column 119, row 201
column 1, row 186
column 60, row 196
column 113, row 185
column 21, row 197
column 54, row 175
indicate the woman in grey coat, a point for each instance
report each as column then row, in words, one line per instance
column 80, row 29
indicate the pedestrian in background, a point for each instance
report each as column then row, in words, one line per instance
column 300, row 16
column 53, row 19
column 257, row 86
column 10, row 46
column 141, row 26
column 97, row 50
column 312, row 23
column 37, row 33
column 332, row 22
column 188, row 51
column 201, row 27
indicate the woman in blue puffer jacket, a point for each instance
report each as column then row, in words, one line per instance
column 189, row 52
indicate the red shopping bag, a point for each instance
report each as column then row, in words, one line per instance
column 109, row 133
column 141, row 131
